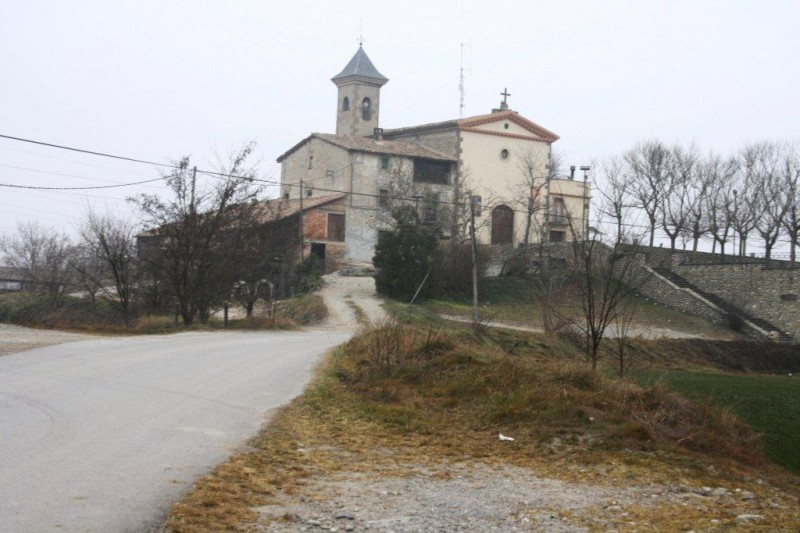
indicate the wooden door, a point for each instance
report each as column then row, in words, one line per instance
column 502, row 225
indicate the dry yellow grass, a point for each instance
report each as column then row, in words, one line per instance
column 443, row 400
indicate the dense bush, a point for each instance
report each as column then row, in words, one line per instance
column 404, row 256
column 306, row 276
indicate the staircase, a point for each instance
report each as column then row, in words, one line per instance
column 732, row 310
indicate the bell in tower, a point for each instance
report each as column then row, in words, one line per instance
column 358, row 103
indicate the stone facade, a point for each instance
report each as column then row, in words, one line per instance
column 486, row 154
column 661, row 290
column 771, row 294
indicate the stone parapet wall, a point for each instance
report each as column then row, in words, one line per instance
column 658, row 257
column 770, row 294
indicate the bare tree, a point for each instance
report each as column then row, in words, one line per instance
column 606, row 283
column 772, row 199
column 195, row 233
column 697, row 223
column 649, row 166
column 746, row 208
column 43, row 256
column 89, row 271
column 113, row 241
column 677, row 200
column 790, row 174
column 719, row 200
column 615, row 196
column 528, row 192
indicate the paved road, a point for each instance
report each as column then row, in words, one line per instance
column 104, row 435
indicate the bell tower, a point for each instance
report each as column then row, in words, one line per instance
column 358, row 102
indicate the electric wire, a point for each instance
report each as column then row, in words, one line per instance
column 233, row 176
column 90, row 152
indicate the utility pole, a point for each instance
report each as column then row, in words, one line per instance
column 474, row 247
column 194, row 182
column 585, row 227
column 302, row 234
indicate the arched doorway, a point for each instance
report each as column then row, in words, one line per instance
column 502, row 225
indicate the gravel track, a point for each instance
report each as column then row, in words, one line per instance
column 19, row 339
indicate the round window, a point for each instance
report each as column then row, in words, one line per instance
column 505, row 125
column 503, row 154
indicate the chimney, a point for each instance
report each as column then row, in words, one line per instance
column 377, row 134
column 572, row 172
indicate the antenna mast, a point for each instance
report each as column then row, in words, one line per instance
column 461, row 85
column 461, row 81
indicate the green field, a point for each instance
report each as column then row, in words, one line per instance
column 770, row 404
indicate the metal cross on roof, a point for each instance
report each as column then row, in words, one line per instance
column 505, row 94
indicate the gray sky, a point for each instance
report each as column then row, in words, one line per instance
column 157, row 80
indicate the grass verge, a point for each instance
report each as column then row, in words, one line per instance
column 78, row 314
column 770, row 404
column 405, row 395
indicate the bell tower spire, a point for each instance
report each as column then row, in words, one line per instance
column 358, row 102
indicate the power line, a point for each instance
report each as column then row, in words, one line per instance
column 38, row 188
column 90, row 152
column 226, row 175
column 28, row 169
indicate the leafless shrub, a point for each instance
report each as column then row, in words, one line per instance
column 389, row 346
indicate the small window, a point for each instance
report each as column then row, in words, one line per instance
column 383, row 198
column 311, row 161
column 557, row 236
column 503, row 154
column 431, row 206
column 505, row 125
column 366, row 109
column 384, row 163
column 285, row 195
column 475, row 202
column 335, row 227
column 346, row 104
column 330, row 174
column 309, row 192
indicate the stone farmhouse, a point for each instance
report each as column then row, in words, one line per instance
column 499, row 160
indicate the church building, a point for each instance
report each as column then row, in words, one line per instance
column 499, row 162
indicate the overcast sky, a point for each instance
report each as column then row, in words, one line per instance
column 158, row 80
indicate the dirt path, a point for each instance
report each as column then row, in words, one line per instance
column 347, row 297
column 19, row 339
column 645, row 332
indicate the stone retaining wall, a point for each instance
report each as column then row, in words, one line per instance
column 764, row 293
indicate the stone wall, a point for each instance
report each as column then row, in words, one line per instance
column 329, row 169
column 770, row 294
column 661, row 290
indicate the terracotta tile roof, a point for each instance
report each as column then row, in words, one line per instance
column 372, row 146
column 280, row 208
column 470, row 123
column 274, row 209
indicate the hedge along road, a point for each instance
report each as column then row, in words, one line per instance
column 104, row 435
